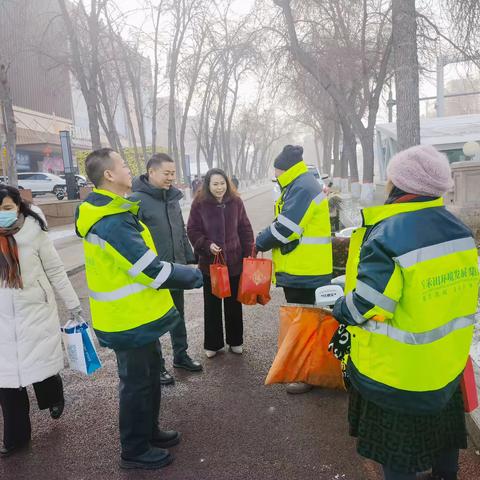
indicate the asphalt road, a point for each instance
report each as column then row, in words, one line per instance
column 234, row 427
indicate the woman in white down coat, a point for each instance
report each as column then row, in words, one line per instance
column 30, row 339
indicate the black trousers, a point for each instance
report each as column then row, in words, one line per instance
column 178, row 335
column 300, row 295
column 446, row 467
column 214, row 339
column 140, row 395
column 16, row 408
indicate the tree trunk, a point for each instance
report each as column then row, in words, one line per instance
column 404, row 25
column 155, row 80
column 368, row 157
column 336, row 152
column 317, row 153
column 327, row 149
column 349, row 151
column 10, row 127
column 109, row 126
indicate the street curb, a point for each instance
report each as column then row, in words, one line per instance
column 473, row 430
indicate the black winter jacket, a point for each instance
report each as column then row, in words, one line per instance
column 160, row 211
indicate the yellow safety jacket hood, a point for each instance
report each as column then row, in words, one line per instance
column 100, row 204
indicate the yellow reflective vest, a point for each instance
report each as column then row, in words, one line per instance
column 300, row 236
column 124, row 274
column 412, row 292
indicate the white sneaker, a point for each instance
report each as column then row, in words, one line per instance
column 210, row 353
column 238, row 350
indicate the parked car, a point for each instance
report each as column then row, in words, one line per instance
column 41, row 183
column 311, row 168
column 81, row 180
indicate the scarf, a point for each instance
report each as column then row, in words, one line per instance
column 10, row 275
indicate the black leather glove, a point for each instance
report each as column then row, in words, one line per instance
column 289, row 247
column 183, row 278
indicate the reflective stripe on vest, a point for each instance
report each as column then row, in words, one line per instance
column 118, row 294
column 421, row 338
column 357, row 316
column 375, row 297
column 95, row 240
column 141, row 264
column 289, row 224
column 316, row 240
column 162, row 276
column 435, row 251
column 278, row 235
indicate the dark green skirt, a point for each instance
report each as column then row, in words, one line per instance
column 406, row 443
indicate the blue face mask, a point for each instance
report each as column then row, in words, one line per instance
column 8, row 218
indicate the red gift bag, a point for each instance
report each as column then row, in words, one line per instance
column 219, row 278
column 245, row 297
column 469, row 388
column 255, row 280
column 251, row 298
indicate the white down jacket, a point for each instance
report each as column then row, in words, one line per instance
column 30, row 339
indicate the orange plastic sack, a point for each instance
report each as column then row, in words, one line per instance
column 219, row 278
column 303, row 354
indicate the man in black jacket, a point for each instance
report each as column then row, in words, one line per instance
column 160, row 211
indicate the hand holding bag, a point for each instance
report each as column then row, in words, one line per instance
column 80, row 348
column 219, row 277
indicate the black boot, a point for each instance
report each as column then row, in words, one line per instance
column 166, row 439
column 152, row 459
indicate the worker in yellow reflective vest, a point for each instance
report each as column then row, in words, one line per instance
column 130, row 303
column 411, row 295
column 300, row 235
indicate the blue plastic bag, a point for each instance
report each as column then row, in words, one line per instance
column 80, row 349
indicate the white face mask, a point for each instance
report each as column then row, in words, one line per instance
column 8, row 218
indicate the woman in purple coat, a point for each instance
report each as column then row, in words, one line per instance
column 218, row 223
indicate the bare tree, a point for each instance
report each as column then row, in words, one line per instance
column 9, row 125
column 374, row 69
column 84, row 50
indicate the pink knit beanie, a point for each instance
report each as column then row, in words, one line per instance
column 422, row 170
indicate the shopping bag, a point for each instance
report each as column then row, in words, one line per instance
column 469, row 387
column 302, row 355
column 219, row 278
column 255, row 280
column 245, row 297
column 256, row 277
column 80, row 349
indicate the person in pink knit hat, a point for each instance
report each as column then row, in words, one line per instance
column 421, row 170
column 406, row 323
